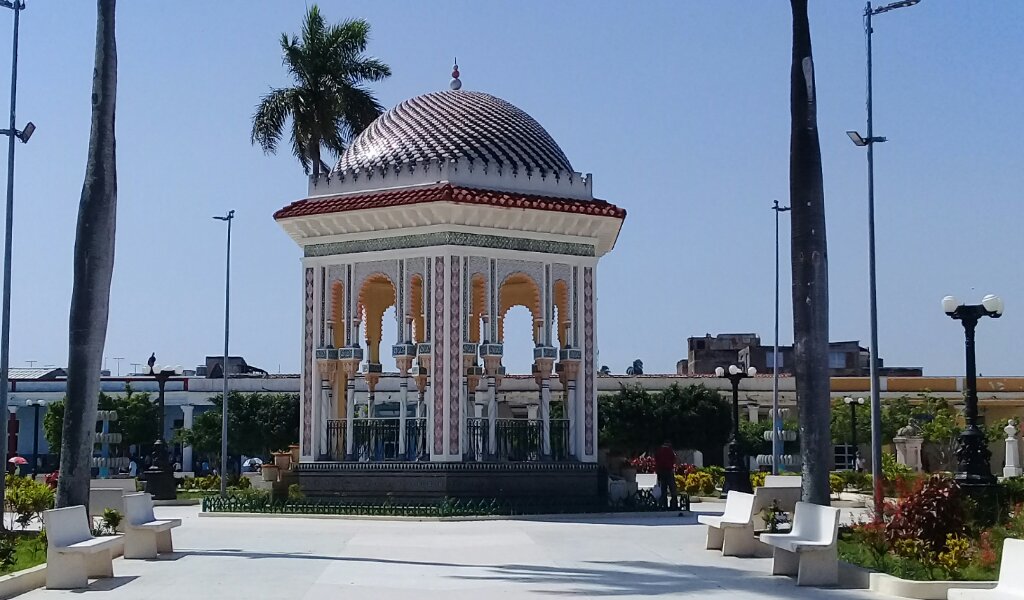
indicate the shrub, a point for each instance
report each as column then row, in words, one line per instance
column 243, row 483
column 111, row 520
column 757, row 478
column 27, row 498
column 699, row 483
column 643, row 463
column 931, row 514
column 855, row 480
column 1013, row 490
column 295, row 492
column 892, row 470
column 717, row 474
column 685, row 469
column 836, row 483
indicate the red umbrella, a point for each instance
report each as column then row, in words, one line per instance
column 18, row 460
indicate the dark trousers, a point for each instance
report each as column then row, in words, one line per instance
column 667, row 483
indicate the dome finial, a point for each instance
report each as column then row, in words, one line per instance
column 455, row 82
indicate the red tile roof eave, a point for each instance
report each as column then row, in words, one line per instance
column 448, row 193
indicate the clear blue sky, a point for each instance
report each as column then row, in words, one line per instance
column 680, row 109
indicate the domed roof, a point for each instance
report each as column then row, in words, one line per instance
column 456, row 124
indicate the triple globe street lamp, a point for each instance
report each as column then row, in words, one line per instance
column 853, row 403
column 36, row 404
column 737, row 474
column 974, row 468
column 160, row 475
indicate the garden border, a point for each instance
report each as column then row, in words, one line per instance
column 854, row 576
column 26, row 580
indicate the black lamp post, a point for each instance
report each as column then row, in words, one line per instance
column 160, row 475
column 737, row 474
column 36, row 404
column 852, row 403
column 972, row 453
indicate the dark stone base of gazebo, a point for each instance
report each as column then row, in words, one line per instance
column 563, row 484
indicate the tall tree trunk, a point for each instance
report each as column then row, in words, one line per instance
column 810, row 266
column 94, row 266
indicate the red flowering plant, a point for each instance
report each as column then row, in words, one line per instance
column 933, row 512
column 643, row 463
column 51, row 479
column 685, row 469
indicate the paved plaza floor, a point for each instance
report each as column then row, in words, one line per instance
column 618, row 556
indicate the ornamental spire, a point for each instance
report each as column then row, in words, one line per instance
column 455, row 83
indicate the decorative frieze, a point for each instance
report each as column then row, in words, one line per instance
column 449, row 238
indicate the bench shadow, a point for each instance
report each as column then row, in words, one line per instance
column 106, row 584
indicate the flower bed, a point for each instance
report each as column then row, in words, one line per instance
column 937, row 532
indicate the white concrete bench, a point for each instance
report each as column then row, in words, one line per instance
column 809, row 551
column 733, row 532
column 787, row 498
column 101, row 499
column 145, row 535
column 1011, row 577
column 73, row 555
column 126, row 485
column 782, row 481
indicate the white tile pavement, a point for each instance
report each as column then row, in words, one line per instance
column 620, row 556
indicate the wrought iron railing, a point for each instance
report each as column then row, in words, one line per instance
column 559, row 439
column 518, row 439
column 336, row 439
column 477, row 437
column 377, row 439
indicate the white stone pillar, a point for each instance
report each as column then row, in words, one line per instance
column 350, row 414
column 1012, row 468
column 186, row 452
column 323, row 417
column 752, row 413
column 403, row 398
column 492, row 416
column 570, row 412
column 545, row 415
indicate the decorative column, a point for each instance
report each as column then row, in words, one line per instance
column 372, row 376
column 186, row 422
column 473, row 373
column 1012, row 468
column 349, row 359
column 425, row 354
column 421, row 376
column 491, row 354
column 404, row 355
column 543, row 360
column 569, row 361
column 327, row 367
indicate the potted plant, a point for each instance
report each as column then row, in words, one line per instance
column 294, row 449
column 282, row 460
column 269, row 471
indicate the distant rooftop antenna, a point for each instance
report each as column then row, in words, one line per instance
column 456, row 83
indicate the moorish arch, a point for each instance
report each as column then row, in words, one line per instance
column 376, row 295
column 519, row 289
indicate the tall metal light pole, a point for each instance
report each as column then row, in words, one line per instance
column 36, row 404
column 776, row 417
column 869, row 142
column 852, row 403
column 224, row 367
column 5, row 320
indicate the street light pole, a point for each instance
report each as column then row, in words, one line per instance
column 974, row 468
column 36, row 404
column 224, row 367
column 776, row 418
column 737, row 474
column 853, row 402
column 869, row 142
column 5, row 320
column 160, row 475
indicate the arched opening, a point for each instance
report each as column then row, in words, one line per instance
column 338, row 313
column 562, row 319
column 416, row 308
column 376, row 296
column 478, row 301
column 519, row 309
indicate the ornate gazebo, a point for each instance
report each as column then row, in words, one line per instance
column 452, row 207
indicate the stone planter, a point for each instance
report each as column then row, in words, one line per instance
column 282, row 460
column 294, row 450
column 269, row 472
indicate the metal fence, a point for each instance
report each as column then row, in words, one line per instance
column 377, row 439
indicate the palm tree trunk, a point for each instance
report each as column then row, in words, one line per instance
column 94, row 266
column 810, row 267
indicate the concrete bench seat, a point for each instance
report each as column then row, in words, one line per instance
column 73, row 555
column 787, row 497
column 145, row 535
column 809, row 551
column 126, row 484
column 733, row 532
column 101, row 499
column 1011, row 577
column 782, row 481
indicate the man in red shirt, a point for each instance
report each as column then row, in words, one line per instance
column 665, row 467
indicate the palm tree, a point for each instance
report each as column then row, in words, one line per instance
column 328, row 105
column 810, row 266
column 94, row 266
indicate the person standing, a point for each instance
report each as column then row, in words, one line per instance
column 665, row 468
